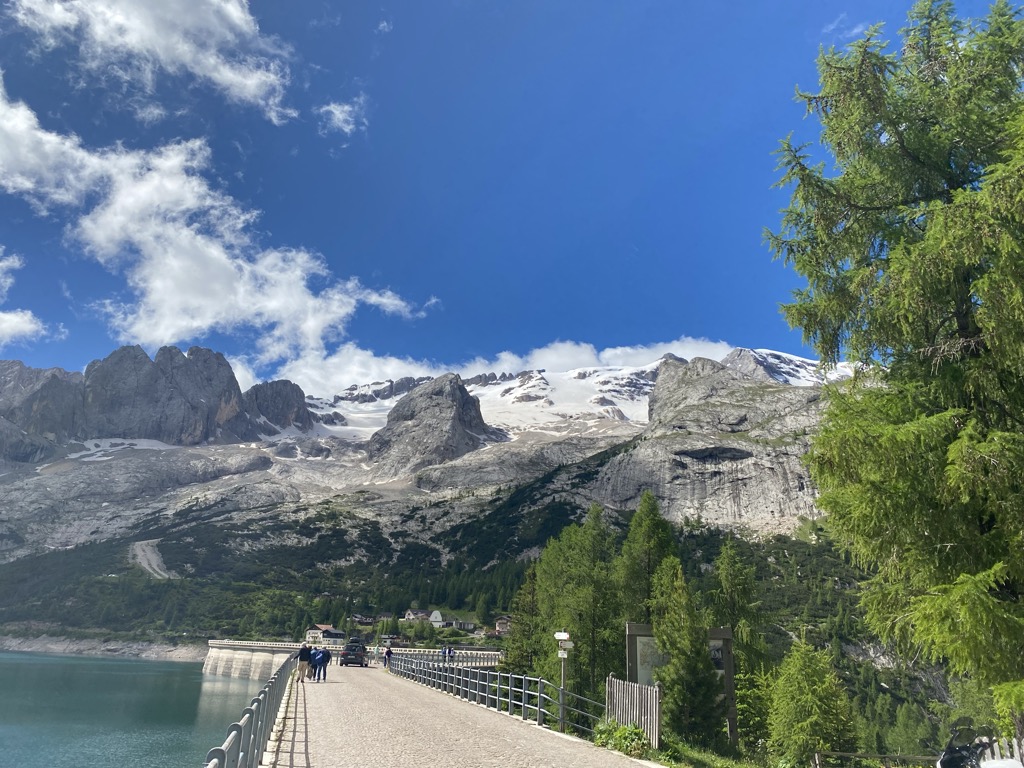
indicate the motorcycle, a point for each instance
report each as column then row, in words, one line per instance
column 966, row 747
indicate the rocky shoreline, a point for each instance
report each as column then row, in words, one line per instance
column 106, row 648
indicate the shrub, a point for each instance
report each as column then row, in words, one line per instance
column 628, row 739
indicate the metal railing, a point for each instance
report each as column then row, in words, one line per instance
column 531, row 698
column 458, row 658
column 247, row 739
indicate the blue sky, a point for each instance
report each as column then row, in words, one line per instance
column 343, row 192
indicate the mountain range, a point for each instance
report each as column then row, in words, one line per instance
column 138, row 448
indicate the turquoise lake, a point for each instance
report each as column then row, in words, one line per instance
column 83, row 712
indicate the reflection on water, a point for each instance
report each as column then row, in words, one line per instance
column 58, row 711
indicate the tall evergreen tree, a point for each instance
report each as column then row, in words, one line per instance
column 649, row 541
column 734, row 604
column 576, row 592
column 810, row 711
column 753, row 703
column 692, row 704
column 525, row 642
column 912, row 245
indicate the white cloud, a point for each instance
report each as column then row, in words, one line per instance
column 16, row 324
column 568, row 355
column 20, row 325
column 217, row 41
column 384, row 27
column 343, row 117
column 8, row 264
column 326, row 375
column 183, row 246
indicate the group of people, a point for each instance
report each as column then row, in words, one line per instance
column 447, row 654
column 313, row 663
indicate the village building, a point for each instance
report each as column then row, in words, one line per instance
column 322, row 634
column 443, row 620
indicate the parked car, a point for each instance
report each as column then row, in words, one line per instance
column 354, row 653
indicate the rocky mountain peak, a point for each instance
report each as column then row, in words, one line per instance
column 436, row 422
column 278, row 405
column 767, row 365
column 175, row 398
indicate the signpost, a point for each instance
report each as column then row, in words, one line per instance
column 564, row 644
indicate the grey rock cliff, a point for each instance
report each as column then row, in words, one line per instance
column 436, row 422
column 721, row 446
column 177, row 399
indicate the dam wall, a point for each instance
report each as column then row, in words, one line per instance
column 253, row 660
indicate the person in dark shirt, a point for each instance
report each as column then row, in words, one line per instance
column 305, row 655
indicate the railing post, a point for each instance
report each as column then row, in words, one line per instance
column 523, row 697
column 540, row 701
column 561, row 709
column 234, row 744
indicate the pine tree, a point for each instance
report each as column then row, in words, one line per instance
column 734, row 604
column 753, row 703
column 810, row 710
column 523, row 646
column 576, row 592
column 649, row 541
column 912, row 244
column 693, row 705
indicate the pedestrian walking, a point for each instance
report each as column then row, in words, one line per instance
column 305, row 654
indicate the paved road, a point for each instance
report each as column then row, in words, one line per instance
column 367, row 718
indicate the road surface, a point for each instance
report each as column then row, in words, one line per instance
column 367, row 718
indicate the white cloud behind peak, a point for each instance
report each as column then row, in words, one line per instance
column 183, row 246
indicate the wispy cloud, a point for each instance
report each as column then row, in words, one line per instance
column 344, row 117
column 216, row 41
column 841, row 28
column 384, row 27
column 184, row 247
column 831, row 27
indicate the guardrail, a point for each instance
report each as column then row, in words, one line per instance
column 247, row 739
column 254, row 644
column 459, row 658
column 531, row 698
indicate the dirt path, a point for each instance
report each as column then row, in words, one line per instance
column 148, row 557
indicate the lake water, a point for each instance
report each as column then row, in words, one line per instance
column 83, row 712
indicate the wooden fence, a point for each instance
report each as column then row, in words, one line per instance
column 635, row 704
column 1004, row 748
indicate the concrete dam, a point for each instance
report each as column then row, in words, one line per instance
column 254, row 660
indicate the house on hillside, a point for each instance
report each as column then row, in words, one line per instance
column 320, row 634
column 502, row 625
column 442, row 620
column 413, row 615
